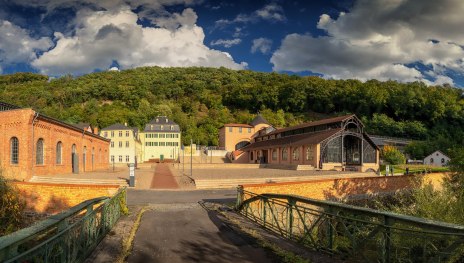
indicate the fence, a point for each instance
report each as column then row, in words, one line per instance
column 357, row 233
column 66, row 237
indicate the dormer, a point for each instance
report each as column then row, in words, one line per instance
column 157, row 120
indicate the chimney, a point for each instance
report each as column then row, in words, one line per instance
column 95, row 130
column 125, row 124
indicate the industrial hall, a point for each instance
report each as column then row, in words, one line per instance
column 35, row 144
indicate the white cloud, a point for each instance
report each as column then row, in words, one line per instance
column 17, row 46
column 378, row 39
column 271, row 13
column 262, row 45
column 226, row 42
column 105, row 36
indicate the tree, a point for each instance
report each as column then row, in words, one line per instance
column 392, row 155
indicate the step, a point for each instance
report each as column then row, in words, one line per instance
column 58, row 180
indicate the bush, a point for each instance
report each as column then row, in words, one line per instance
column 392, row 155
column 11, row 207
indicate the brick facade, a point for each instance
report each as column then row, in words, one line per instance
column 28, row 128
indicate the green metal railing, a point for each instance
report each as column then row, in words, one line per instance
column 66, row 237
column 356, row 233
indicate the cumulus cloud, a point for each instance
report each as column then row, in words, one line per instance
column 271, row 13
column 17, row 46
column 262, row 45
column 102, row 37
column 226, row 42
column 379, row 39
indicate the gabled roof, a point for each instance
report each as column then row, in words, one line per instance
column 259, row 119
column 315, row 123
column 117, row 126
column 300, row 139
column 436, row 152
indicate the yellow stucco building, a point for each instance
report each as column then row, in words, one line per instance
column 125, row 145
column 161, row 140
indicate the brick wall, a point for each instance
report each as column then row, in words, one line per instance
column 346, row 187
column 17, row 123
column 52, row 198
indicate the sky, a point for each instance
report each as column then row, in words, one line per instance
column 403, row 40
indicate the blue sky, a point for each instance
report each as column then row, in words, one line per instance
column 404, row 40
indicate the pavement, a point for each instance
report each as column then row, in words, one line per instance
column 179, row 228
column 163, row 178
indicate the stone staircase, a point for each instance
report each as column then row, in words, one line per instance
column 61, row 180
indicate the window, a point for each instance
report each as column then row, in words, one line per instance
column 172, row 127
column 162, row 135
column 274, row 154
column 127, row 144
column 431, row 160
column 120, row 133
column 162, row 144
column 127, row 133
column 120, row 158
column 309, row 153
column 127, row 158
column 112, row 144
column 156, row 135
column 240, row 129
column 120, row 144
column 112, row 158
column 296, row 154
column 112, row 134
column 58, row 152
column 284, row 154
column 162, row 127
column 14, row 150
column 249, row 130
column 105, row 134
column 230, row 129
column 442, row 160
column 39, row 152
column 155, row 143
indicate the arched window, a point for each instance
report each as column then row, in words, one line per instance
column 274, row 154
column 296, row 154
column 284, row 154
column 431, row 160
column 309, row 153
column 14, row 150
column 39, row 152
column 443, row 160
column 59, row 146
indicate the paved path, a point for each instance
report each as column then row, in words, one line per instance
column 163, row 178
column 179, row 228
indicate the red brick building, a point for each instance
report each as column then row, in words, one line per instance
column 35, row 144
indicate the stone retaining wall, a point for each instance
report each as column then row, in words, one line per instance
column 331, row 189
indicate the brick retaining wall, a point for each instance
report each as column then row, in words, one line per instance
column 53, row 198
column 343, row 188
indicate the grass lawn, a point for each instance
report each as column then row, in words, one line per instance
column 414, row 168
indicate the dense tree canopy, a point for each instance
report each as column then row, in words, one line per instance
column 201, row 100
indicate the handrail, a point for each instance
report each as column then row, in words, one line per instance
column 363, row 234
column 54, row 220
column 364, row 210
column 66, row 237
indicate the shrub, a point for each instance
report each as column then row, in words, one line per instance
column 11, row 207
column 392, row 155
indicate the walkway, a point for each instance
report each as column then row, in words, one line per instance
column 163, row 178
column 179, row 228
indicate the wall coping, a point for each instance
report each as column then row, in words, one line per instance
column 69, row 185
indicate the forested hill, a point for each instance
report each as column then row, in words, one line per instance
column 202, row 99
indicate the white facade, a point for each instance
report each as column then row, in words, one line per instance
column 437, row 158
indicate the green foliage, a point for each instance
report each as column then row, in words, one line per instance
column 11, row 207
column 392, row 155
column 201, row 100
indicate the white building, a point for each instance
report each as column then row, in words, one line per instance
column 160, row 140
column 437, row 158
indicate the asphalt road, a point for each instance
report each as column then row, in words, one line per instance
column 180, row 228
column 147, row 197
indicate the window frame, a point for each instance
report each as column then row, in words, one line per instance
column 14, row 150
